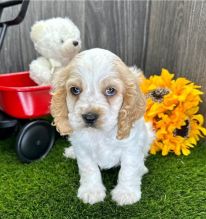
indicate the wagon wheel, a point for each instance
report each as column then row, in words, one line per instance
column 35, row 140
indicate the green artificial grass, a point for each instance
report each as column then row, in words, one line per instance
column 175, row 187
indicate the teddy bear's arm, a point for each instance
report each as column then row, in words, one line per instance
column 41, row 71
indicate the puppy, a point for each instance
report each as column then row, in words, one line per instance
column 98, row 103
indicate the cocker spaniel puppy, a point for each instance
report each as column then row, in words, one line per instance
column 98, row 103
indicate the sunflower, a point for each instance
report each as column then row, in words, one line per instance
column 172, row 107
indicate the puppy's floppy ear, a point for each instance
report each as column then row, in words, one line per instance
column 58, row 107
column 134, row 103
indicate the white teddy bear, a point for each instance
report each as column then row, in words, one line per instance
column 58, row 41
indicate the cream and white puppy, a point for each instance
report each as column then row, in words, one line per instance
column 98, row 103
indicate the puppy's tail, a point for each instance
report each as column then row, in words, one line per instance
column 138, row 73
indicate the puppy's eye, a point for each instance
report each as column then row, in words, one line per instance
column 110, row 91
column 75, row 90
column 61, row 41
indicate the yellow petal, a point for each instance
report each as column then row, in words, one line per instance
column 199, row 118
column 203, row 130
column 166, row 77
column 185, row 151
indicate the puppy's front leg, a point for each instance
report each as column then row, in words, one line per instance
column 128, row 189
column 91, row 188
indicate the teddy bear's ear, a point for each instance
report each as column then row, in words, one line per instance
column 36, row 30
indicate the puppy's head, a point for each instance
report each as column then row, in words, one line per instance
column 96, row 91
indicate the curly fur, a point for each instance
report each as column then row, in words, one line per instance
column 60, row 112
column 133, row 103
column 119, row 136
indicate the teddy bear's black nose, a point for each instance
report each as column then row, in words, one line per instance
column 90, row 118
column 75, row 43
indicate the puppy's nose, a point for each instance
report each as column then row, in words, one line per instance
column 75, row 43
column 90, row 118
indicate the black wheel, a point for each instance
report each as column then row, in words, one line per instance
column 35, row 140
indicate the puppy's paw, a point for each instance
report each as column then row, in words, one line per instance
column 69, row 153
column 123, row 195
column 91, row 194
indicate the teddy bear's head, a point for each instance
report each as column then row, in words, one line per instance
column 56, row 38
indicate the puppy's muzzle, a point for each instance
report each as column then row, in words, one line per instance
column 90, row 118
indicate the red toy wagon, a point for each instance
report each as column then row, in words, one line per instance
column 22, row 101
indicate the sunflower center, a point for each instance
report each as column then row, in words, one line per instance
column 183, row 131
column 158, row 94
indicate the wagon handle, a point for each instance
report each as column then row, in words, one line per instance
column 15, row 21
column 3, row 29
column 8, row 4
